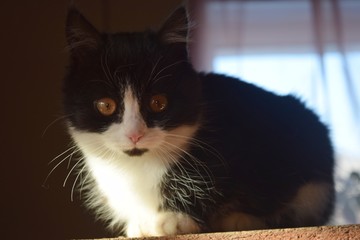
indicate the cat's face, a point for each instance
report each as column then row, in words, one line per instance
column 131, row 94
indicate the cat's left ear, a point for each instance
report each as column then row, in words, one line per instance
column 176, row 27
column 81, row 35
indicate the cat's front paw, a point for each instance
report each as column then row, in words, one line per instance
column 171, row 223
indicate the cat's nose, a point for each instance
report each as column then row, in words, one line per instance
column 135, row 137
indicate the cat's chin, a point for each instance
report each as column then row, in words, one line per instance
column 136, row 152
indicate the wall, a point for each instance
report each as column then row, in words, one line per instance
column 33, row 61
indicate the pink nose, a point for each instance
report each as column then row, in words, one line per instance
column 135, row 137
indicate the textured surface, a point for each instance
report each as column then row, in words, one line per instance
column 350, row 232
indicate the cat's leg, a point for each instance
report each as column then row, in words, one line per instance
column 238, row 221
column 310, row 206
column 162, row 224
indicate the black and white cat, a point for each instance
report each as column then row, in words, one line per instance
column 172, row 151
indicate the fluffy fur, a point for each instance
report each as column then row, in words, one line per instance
column 222, row 155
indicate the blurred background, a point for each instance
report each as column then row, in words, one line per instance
column 310, row 48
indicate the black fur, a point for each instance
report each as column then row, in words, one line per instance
column 258, row 148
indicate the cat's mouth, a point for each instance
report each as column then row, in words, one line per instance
column 135, row 152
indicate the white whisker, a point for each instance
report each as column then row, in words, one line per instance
column 83, row 182
column 70, row 158
column 197, row 161
column 171, row 65
column 53, row 169
column 72, row 169
column 203, row 145
column 186, row 187
column 154, row 68
column 165, row 76
column 105, row 67
column 53, row 122
column 64, row 152
column 73, row 186
column 180, row 194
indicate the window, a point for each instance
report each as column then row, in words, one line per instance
column 299, row 74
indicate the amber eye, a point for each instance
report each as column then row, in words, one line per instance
column 106, row 106
column 158, row 103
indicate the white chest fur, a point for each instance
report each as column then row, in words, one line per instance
column 130, row 187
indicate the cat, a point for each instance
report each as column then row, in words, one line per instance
column 168, row 150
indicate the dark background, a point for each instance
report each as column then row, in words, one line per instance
column 33, row 60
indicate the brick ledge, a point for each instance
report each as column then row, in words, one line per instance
column 348, row 232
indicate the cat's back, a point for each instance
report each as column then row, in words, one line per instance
column 264, row 129
column 239, row 98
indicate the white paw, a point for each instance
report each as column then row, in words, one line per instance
column 171, row 223
column 133, row 230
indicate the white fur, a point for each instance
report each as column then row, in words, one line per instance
column 126, row 189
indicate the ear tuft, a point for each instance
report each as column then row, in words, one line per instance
column 80, row 33
column 176, row 27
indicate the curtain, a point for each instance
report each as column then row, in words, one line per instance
column 309, row 48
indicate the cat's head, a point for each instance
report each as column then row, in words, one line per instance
column 131, row 94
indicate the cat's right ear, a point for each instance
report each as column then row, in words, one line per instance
column 176, row 27
column 81, row 35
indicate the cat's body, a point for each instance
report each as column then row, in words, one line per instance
column 171, row 151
